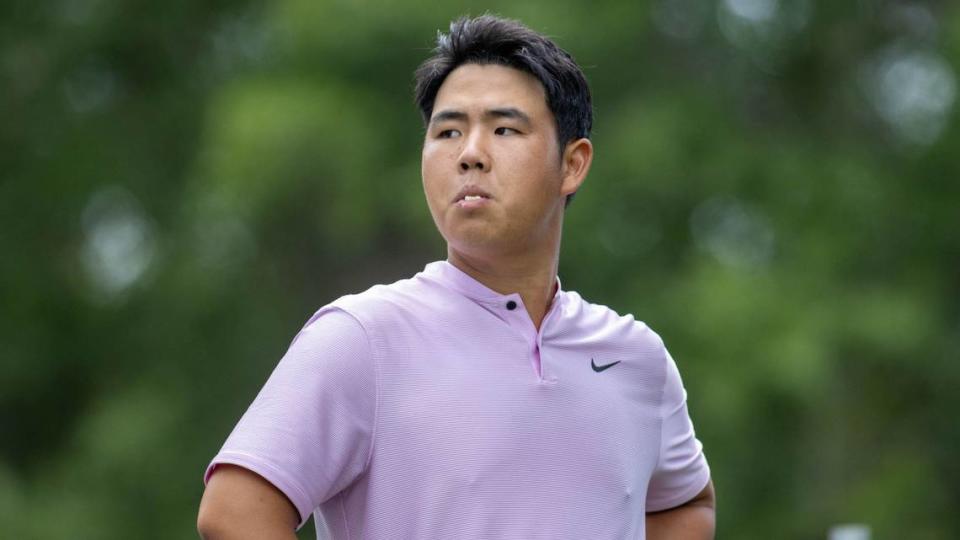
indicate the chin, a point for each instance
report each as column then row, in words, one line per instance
column 473, row 241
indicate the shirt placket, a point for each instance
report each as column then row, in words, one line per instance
column 515, row 314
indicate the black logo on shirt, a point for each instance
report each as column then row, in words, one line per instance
column 598, row 369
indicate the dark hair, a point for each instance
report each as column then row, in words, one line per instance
column 488, row 39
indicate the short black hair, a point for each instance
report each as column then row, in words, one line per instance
column 489, row 39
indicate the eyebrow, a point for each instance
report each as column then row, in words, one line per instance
column 500, row 112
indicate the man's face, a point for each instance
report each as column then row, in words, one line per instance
column 491, row 166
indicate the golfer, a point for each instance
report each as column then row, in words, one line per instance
column 477, row 399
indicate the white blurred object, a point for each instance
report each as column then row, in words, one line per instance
column 849, row 531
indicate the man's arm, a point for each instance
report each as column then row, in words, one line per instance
column 694, row 520
column 240, row 504
column 309, row 431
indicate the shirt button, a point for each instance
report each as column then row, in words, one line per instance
column 511, row 305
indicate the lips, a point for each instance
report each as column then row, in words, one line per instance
column 471, row 194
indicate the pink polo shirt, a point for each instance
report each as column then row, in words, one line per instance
column 432, row 408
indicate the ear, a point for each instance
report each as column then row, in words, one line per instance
column 576, row 164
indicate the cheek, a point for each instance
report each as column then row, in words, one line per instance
column 431, row 160
column 432, row 185
column 427, row 170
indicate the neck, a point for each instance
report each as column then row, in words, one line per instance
column 532, row 275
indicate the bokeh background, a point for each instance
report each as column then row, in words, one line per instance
column 775, row 191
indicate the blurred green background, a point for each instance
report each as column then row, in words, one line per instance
column 775, row 191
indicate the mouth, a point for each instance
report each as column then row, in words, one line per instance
column 471, row 197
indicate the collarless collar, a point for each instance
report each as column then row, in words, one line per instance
column 452, row 277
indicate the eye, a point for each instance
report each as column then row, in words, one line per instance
column 448, row 134
column 502, row 130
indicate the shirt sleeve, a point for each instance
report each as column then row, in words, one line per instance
column 682, row 470
column 309, row 431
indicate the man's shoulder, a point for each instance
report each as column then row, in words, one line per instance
column 387, row 302
column 605, row 323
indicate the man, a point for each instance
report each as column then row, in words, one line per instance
column 476, row 399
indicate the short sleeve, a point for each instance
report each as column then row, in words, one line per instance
column 309, row 431
column 682, row 470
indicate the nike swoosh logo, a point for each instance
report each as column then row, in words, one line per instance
column 598, row 369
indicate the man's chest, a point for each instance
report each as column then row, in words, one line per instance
column 472, row 413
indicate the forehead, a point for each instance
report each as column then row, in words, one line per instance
column 482, row 86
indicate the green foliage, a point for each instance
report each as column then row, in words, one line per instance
column 774, row 191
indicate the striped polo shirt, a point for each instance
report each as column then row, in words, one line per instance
column 433, row 408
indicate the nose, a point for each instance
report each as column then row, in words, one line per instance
column 473, row 155
column 467, row 165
